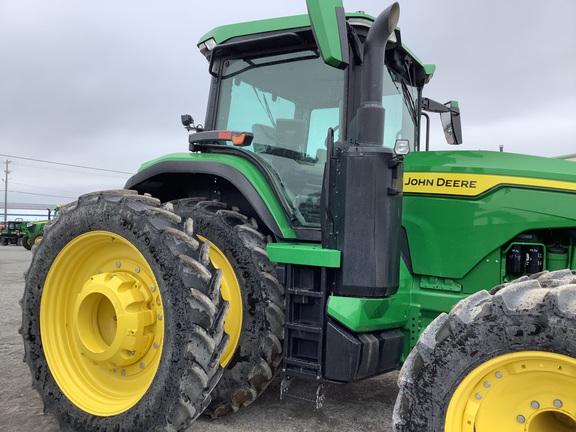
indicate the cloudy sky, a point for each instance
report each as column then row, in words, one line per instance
column 103, row 83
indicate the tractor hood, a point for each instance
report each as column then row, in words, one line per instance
column 460, row 207
column 473, row 173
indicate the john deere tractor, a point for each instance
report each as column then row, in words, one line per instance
column 307, row 232
column 12, row 232
column 35, row 230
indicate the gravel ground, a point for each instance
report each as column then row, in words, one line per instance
column 363, row 406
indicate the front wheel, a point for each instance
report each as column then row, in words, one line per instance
column 122, row 317
column 500, row 361
column 26, row 243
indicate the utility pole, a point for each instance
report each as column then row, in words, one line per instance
column 6, row 172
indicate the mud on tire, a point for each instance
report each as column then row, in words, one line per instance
column 530, row 314
column 183, row 312
column 258, row 353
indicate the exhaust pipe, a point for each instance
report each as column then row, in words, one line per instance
column 366, row 202
column 371, row 113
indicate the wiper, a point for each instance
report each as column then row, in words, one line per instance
column 265, row 106
column 407, row 96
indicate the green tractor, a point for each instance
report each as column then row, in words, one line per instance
column 307, row 233
column 12, row 232
column 35, row 230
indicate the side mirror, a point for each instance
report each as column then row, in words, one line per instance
column 450, row 117
column 451, row 123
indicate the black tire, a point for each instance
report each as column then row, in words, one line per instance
column 5, row 241
column 174, row 294
column 530, row 318
column 35, row 239
column 26, row 243
column 258, row 353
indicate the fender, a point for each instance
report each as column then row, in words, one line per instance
column 180, row 175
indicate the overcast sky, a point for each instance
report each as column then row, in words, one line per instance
column 103, row 83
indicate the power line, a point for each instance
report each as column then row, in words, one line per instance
column 40, row 187
column 66, row 164
column 38, row 194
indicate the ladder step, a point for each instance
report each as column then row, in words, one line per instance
column 317, row 400
column 305, row 315
column 304, row 292
column 303, row 327
column 291, row 361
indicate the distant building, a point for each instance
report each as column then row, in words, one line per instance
column 25, row 211
column 571, row 157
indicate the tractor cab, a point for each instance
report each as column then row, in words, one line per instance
column 277, row 86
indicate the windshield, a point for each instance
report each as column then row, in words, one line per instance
column 288, row 102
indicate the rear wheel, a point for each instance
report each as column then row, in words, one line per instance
column 255, row 322
column 122, row 317
column 499, row 361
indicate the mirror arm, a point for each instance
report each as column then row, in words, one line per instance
column 423, row 114
column 433, row 106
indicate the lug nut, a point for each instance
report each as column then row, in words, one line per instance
column 535, row 404
column 521, row 419
column 558, row 403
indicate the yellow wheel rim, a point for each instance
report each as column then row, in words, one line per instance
column 38, row 239
column 230, row 289
column 529, row 391
column 101, row 323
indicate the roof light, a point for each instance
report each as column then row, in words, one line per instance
column 207, row 46
column 210, row 44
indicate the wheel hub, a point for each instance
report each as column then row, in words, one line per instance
column 551, row 419
column 528, row 391
column 110, row 318
column 102, row 323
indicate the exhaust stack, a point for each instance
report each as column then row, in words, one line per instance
column 371, row 112
column 365, row 200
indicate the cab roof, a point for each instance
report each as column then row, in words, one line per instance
column 226, row 32
column 223, row 34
